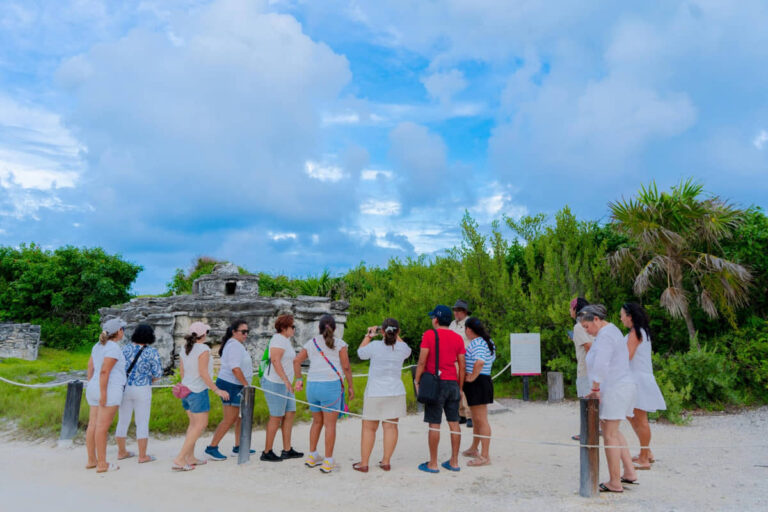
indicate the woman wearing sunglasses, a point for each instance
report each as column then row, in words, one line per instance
column 235, row 373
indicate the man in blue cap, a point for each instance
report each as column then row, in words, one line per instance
column 451, row 351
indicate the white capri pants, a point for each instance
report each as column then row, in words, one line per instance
column 138, row 400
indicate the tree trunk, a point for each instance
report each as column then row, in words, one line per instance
column 694, row 342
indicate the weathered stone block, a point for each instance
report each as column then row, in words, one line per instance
column 19, row 340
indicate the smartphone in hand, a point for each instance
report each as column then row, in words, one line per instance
column 570, row 334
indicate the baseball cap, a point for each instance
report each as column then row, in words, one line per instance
column 113, row 325
column 199, row 328
column 462, row 304
column 442, row 313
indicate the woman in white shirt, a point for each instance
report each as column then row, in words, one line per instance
column 278, row 378
column 649, row 397
column 196, row 368
column 612, row 383
column 235, row 373
column 384, row 393
column 328, row 358
column 106, row 380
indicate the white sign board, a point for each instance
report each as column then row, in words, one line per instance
column 525, row 353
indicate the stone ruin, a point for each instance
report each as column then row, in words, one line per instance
column 19, row 340
column 217, row 299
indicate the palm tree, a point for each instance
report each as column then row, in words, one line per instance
column 674, row 242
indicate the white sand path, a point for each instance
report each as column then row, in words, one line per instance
column 41, row 477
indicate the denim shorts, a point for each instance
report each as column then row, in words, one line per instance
column 234, row 390
column 448, row 401
column 197, row 402
column 278, row 405
column 326, row 394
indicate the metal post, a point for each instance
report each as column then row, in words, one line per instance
column 589, row 458
column 246, row 424
column 525, row 388
column 71, row 412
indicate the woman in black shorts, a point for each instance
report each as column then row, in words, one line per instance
column 478, row 387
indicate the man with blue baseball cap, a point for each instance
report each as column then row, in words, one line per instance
column 451, row 351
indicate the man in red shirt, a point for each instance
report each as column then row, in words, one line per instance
column 451, row 348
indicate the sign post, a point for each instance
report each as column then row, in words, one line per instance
column 525, row 356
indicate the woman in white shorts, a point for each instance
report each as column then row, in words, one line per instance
column 612, row 383
column 384, row 393
column 649, row 397
column 104, row 393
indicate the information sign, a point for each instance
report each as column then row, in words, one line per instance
column 525, row 353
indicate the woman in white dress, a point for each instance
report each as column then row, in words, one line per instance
column 613, row 385
column 649, row 397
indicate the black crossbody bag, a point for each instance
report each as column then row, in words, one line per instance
column 133, row 363
column 429, row 385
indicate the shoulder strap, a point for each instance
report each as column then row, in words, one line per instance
column 437, row 354
column 328, row 361
column 133, row 363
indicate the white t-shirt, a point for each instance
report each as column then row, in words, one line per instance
column 192, row 378
column 289, row 353
column 459, row 327
column 319, row 371
column 117, row 374
column 385, row 377
column 235, row 356
column 581, row 337
column 608, row 359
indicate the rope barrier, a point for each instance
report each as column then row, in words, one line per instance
column 42, row 385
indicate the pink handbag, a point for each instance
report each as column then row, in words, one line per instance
column 181, row 391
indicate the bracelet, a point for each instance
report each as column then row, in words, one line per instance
column 598, row 389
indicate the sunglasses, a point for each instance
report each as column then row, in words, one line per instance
column 244, row 331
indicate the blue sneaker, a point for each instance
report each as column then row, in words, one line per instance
column 214, row 454
column 236, row 450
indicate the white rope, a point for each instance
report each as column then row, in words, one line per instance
column 502, row 371
column 43, row 385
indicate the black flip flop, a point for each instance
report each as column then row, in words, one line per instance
column 605, row 488
column 628, row 481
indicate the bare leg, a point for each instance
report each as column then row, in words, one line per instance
column 481, row 427
column 287, row 429
column 643, row 430
column 455, row 441
column 104, row 421
column 122, row 451
column 626, row 459
column 143, row 449
column 390, row 440
column 90, row 437
column 612, row 437
column 329, row 422
column 314, row 430
column 367, row 440
column 228, row 419
column 237, row 425
column 197, row 423
column 272, row 425
column 434, row 440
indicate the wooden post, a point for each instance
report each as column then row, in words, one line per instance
column 589, row 458
column 419, row 407
column 555, row 386
column 525, row 388
column 71, row 412
column 246, row 424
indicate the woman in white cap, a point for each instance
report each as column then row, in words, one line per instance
column 106, row 379
column 385, row 393
column 196, row 367
column 614, row 386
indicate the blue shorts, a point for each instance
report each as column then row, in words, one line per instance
column 326, row 394
column 278, row 405
column 197, row 402
column 234, row 390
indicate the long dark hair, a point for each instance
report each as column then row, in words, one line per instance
column 578, row 304
column 639, row 318
column 390, row 327
column 478, row 328
column 191, row 340
column 327, row 327
column 229, row 332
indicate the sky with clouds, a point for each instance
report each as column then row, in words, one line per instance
column 293, row 136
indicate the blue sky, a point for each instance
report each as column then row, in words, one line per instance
column 292, row 136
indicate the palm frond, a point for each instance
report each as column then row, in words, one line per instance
column 675, row 301
column 654, row 268
column 707, row 304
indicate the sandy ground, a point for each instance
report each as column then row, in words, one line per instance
column 694, row 471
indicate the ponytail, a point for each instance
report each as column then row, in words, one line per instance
column 103, row 337
column 327, row 328
column 478, row 328
column 191, row 340
column 390, row 327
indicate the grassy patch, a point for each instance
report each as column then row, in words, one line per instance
column 37, row 412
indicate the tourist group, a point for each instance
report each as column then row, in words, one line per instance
column 453, row 379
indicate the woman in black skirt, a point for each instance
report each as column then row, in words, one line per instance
column 478, row 387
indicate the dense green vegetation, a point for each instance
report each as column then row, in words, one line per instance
column 519, row 276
